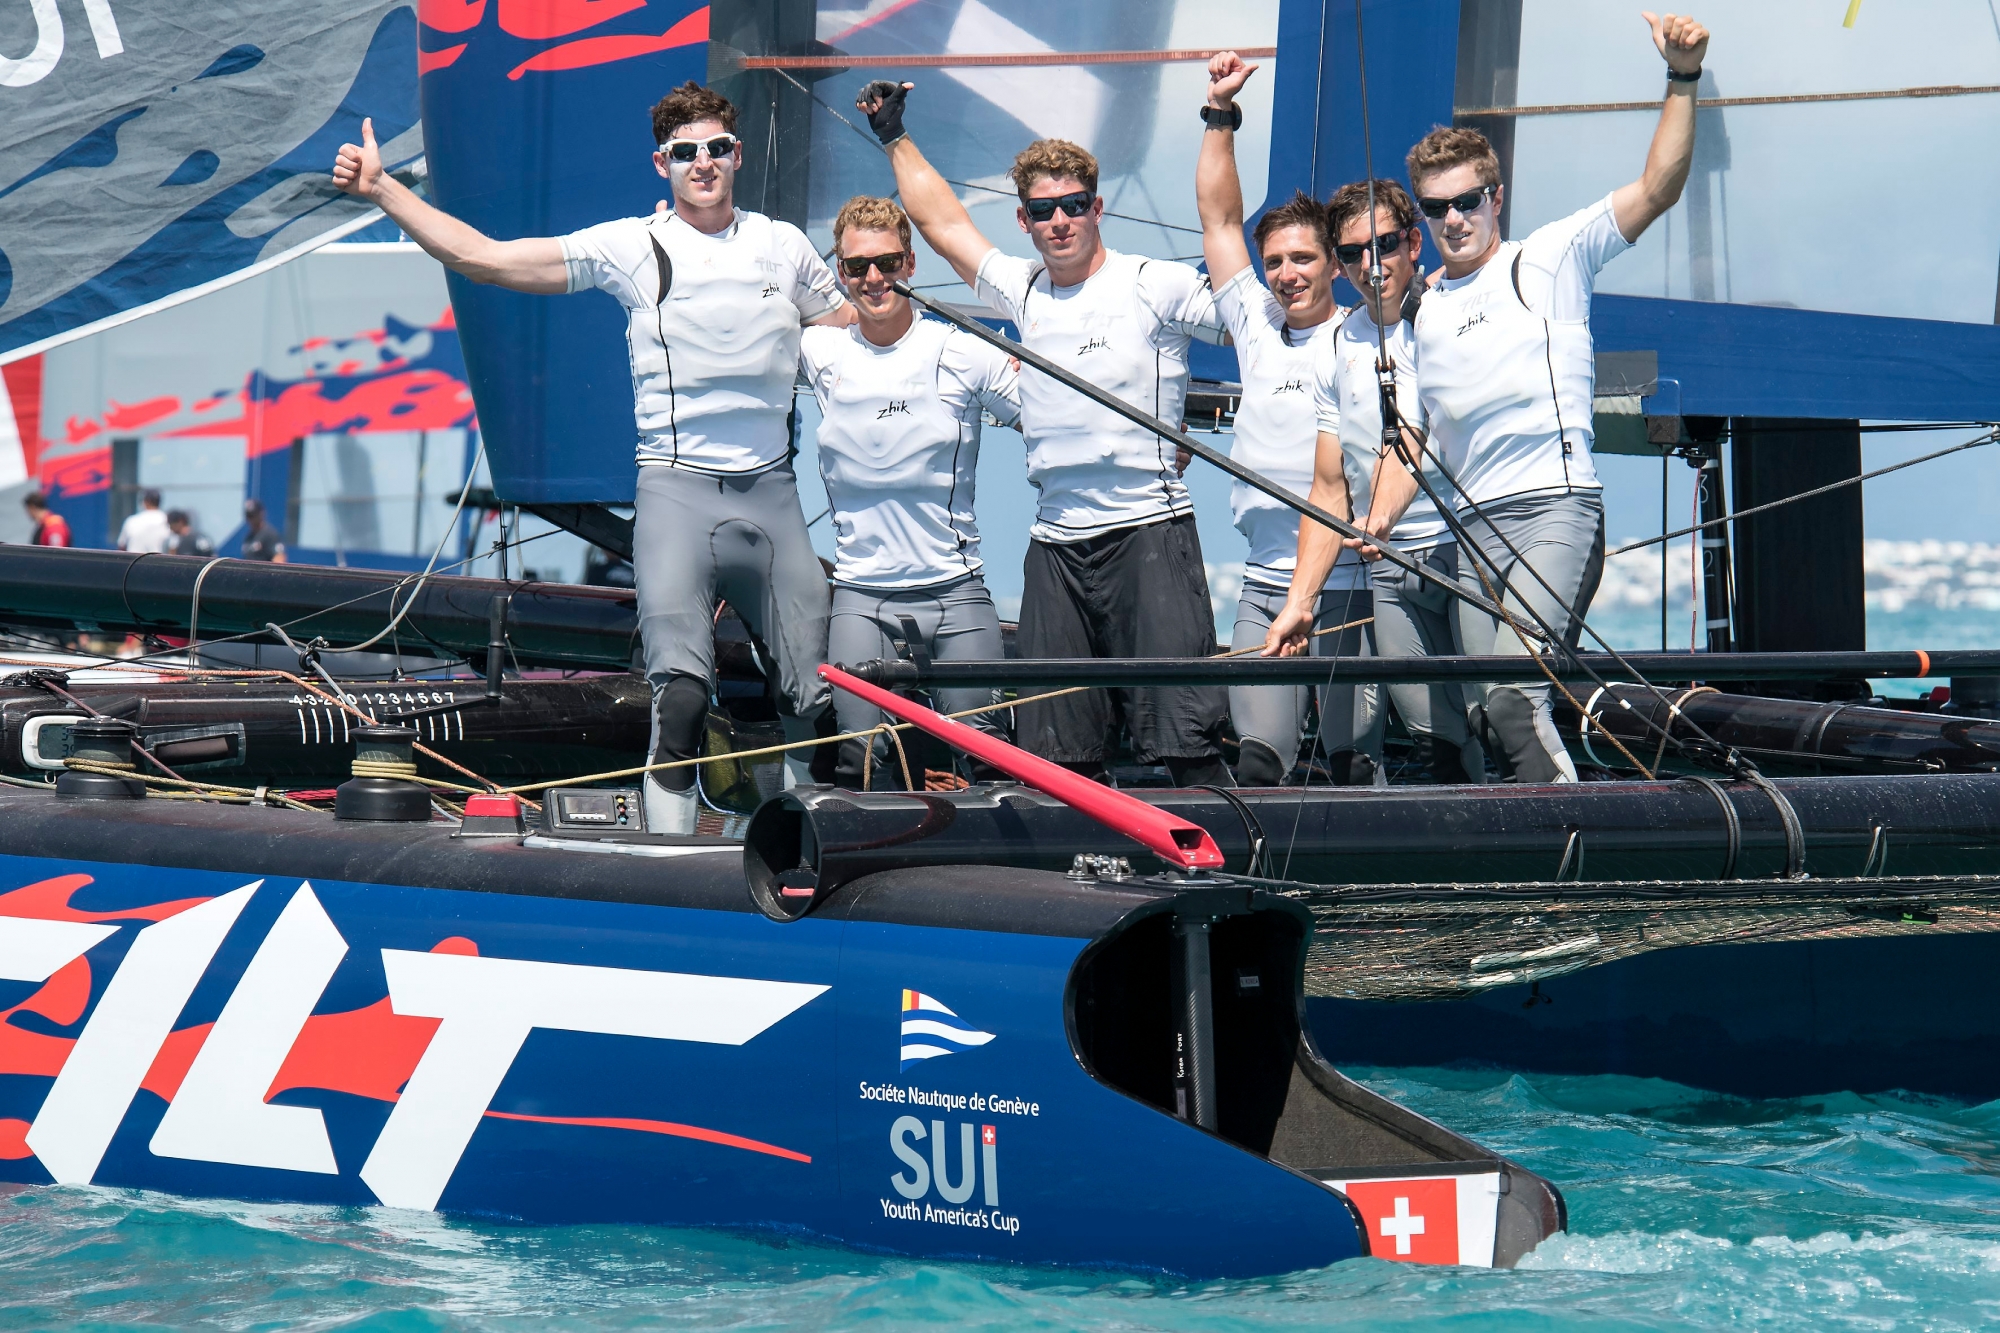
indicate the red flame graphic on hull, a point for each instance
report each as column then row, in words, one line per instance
column 367, row 1052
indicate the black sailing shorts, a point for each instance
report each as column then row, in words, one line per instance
column 1132, row 592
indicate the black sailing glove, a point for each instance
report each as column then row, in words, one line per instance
column 887, row 117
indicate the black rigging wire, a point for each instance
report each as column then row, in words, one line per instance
column 56, row 645
column 1990, row 437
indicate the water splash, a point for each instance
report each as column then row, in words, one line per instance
column 1685, row 1208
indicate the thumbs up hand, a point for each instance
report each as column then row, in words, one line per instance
column 358, row 171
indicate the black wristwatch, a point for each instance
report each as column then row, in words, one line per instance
column 1216, row 118
column 1675, row 76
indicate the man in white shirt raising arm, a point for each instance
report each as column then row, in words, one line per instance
column 1506, row 374
column 1114, row 566
column 1281, row 326
column 901, row 401
column 1413, row 618
column 714, row 298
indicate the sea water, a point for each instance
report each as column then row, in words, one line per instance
column 1844, row 1211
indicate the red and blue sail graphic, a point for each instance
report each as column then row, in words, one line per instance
column 399, row 377
column 161, row 150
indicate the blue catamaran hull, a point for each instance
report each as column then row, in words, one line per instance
column 971, row 1063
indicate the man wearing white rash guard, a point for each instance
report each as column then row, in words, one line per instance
column 1506, row 375
column 901, row 400
column 1280, row 326
column 1413, row 617
column 714, row 299
column 1114, row 566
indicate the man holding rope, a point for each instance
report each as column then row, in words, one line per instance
column 1506, row 377
column 715, row 298
column 1114, row 567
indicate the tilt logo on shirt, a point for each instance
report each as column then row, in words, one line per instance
column 900, row 405
column 1472, row 323
column 1291, row 386
column 1096, row 344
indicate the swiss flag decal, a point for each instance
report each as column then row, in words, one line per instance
column 1412, row 1220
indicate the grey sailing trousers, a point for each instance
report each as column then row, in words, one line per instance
column 1561, row 538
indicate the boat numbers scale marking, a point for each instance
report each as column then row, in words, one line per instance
column 436, row 727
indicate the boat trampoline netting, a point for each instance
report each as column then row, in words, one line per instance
column 1438, row 942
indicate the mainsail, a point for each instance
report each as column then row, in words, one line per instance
column 158, row 150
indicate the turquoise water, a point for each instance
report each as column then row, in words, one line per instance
column 1841, row 1211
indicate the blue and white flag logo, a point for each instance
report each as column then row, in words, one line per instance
column 931, row 1029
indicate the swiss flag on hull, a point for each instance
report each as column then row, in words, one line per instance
column 1428, row 1219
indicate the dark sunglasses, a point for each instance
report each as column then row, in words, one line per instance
column 890, row 264
column 1466, row 203
column 1075, row 204
column 685, row 150
column 1387, row 243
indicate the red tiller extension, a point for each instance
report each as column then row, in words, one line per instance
column 1172, row 839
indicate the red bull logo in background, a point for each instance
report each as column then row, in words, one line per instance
column 560, row 34
column 400, row 377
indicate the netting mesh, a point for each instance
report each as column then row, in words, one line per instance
column 1451, row 941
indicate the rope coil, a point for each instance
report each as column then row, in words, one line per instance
column 386, row 768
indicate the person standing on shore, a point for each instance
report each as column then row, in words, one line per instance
column 51, row 528
column 146, row 531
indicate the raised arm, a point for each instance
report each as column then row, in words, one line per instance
column 1682, row 43
column 931, row 203
column 1291, row 633
column 1218, row 190
column 530, row 265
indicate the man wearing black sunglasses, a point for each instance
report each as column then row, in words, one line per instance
column 901, row 403
column 714, row 299
column 1506, row 380
column 1378, row 253
column 1114, row 567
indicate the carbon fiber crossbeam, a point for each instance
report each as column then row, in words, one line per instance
column 1111, row 671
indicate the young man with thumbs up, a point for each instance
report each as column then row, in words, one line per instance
column 715, row 298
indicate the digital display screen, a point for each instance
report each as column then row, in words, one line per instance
column 587, row 807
